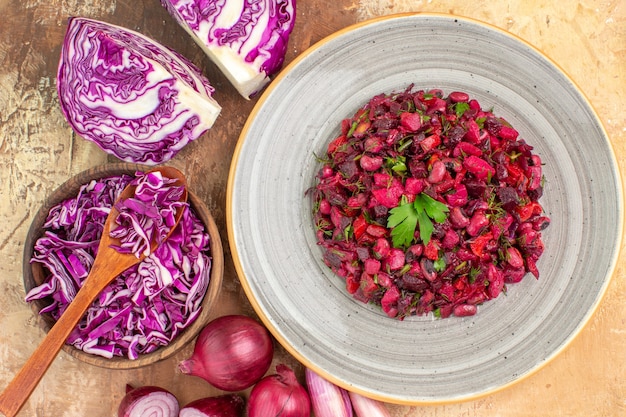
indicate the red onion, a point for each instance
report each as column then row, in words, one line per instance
column 279, row 395
column 327, row 399
column 148, row 401
column 232, row 353
column 229, row 405
column 367, row 407
column 347, row 403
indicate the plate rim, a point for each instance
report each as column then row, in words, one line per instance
column 612, row 265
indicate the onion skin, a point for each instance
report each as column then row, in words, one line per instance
column 148, row 401
column 231, row 353
column 367, row 407
column 327, row 399
column 345, row 395
column 279, row 395
column 229, row 405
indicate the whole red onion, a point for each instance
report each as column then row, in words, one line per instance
column 279, row 395
column 232, row 353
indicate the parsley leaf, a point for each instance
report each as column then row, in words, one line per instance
column 426, row 226
column 436, row 210
column 460, row 108
column 440, row 265
column 404, row 218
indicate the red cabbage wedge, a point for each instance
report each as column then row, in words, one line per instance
column 134, row 98
column 246, row 39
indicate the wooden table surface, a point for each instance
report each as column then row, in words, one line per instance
column 38, row 152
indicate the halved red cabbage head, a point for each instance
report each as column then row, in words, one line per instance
column 134, row 98
column 145, row 307
column 246, row 39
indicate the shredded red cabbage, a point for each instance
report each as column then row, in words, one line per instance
column 147, row 216
column 144, row 308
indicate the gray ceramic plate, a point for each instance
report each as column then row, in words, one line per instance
column 421, row 360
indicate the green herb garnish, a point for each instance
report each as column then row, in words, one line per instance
column 460, row 108
column 396, row 164
column 440, row 265
column 405, row 218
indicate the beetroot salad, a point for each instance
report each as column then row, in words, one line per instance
column 429, row 203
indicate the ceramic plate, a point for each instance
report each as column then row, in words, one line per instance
column 421, row 360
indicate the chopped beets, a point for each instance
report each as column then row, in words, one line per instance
column 508, row 197
column 389, row 195
column 395, row 260
column 372, row 266
column 389, row 301
column 507, row 133
column 473, row 132
column 413, row 283
column 410, row 121
column 400, row 147
column 381, row 248
column 371, row 163
column 451, row 239
column 457, row 198
column 458, row 219
column 415, row 185
column 514, row 257
column 479, row 167
column 462, row 310
column 437, row 172
column 457, row 96
column 477, row 223
column 466, row 148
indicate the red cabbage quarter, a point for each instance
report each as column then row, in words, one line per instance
column 145, row 307
column 246, row 39
column 134, row 98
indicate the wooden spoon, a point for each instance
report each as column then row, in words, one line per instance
column 108, row 264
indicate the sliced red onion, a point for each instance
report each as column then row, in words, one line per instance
column 148, row 401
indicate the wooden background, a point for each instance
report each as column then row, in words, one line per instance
column 38, row 151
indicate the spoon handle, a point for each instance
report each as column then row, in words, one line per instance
column 108, row 264
column 19, row 389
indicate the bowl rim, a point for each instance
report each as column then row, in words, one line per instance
column 230, row 209
column 71, row 186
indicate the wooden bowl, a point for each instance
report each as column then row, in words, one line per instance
column 34, row 273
